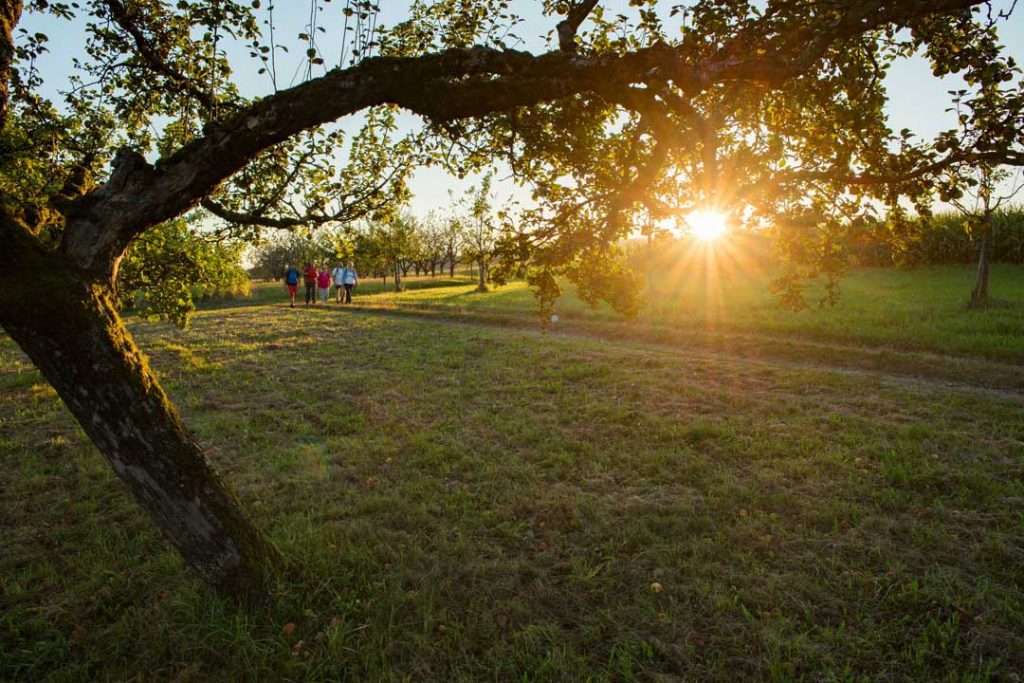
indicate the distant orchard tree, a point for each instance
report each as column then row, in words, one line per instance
column 430, row 254
column 452, row 232
column 776, row 107
column 987, row 190
column 371, row 255
column 480, row 232
column 396, row 241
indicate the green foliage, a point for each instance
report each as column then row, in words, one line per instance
column 605, row 275
column 389, row 246
column 796, row 142
column 167, row 268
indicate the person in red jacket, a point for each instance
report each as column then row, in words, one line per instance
column 309, row 274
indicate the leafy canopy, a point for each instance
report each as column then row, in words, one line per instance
column 625, row 118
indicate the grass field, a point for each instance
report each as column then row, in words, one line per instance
column 914, row 309
column 466, row 498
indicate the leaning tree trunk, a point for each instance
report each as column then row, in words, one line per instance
column 71, row 331
column 979, row 295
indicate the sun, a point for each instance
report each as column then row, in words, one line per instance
column 707, row 225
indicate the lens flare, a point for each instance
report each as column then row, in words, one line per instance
column 707, row 225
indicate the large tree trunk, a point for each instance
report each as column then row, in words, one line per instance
column 979, row 295
column 72, row 333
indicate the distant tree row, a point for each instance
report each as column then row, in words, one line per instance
column 433, row 245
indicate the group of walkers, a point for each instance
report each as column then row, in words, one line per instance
column 318, row 282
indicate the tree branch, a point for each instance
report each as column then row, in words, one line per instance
column 457, row 83
column 956, row 158
column 812, row 43
column 149, row 52
column 260, row 220
column 568, row 27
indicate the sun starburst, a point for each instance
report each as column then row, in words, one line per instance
column 706, row 224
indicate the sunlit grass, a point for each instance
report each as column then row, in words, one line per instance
column 724, row 290
column 473, row 504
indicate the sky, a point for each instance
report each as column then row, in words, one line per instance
column 918, row 100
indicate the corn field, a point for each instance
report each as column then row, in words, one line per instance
column 944, row 239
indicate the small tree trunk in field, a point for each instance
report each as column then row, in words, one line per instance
column 72, row 333
column 979, row 295
column 451, row 268
column 482, row 268
column 398, row 277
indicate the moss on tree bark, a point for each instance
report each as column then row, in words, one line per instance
column 70, row 330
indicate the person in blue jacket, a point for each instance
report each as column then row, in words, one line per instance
column 291, row 282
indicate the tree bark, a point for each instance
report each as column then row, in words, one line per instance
column 398, row 277
column 979, row 295
column 482, row 268
column 71, row 331
column 10, row 13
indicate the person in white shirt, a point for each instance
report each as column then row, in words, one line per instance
column 349, row 280
column 338, row 274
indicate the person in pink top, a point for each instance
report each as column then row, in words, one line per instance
column 323, row 284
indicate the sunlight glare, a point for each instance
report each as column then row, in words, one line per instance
column 707, row 225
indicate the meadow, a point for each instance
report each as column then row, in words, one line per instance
column 718, row 490
column 915, row 309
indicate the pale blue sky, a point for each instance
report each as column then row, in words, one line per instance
column 918, row 100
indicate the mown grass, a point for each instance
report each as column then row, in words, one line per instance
column 921, row 309
column 470, row 503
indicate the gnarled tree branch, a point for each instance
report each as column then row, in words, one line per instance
column 568, row 27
